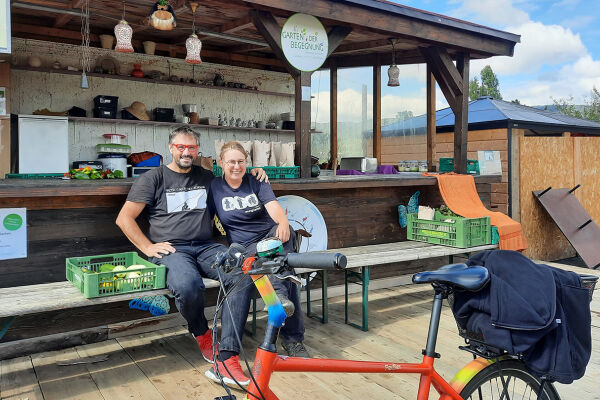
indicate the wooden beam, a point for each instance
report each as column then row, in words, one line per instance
column 268, row 27
column 333, row 117
column 441, row 79
column 239, row 24
column 443, row 63
column 302, row 109
column 337, row 36
column 377, row 112
column 360, row 46
column 461, row 117
column 431, row 120
column 366, row 60
column 390, row 24
column 63, row 19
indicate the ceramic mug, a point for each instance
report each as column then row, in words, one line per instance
column 194, row 117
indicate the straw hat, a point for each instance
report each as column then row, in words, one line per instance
column 138, row 110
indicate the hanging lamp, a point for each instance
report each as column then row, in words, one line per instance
column 393, row 70
column 162, row 16
column 193, row 45
column 85, row 43
column 123, row 33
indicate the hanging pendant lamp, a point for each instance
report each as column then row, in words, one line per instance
column 85, row 43
column 123, row 33
column 393, row 70
column 162, row 16
column 193, row 45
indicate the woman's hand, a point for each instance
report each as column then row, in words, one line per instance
column 283, row 232
column 260, row 174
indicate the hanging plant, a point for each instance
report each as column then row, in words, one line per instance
column 162, row 16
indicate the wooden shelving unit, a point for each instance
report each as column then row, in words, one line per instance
column 147, row 80
column 136, row 122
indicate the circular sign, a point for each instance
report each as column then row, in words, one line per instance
column 12, row 222
column 304, row 42
column 302, row 214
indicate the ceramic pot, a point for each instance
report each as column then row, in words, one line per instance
column 106, row 41
column 194, row 117
column 34, row 61
column 137, row 71
column 149, row 47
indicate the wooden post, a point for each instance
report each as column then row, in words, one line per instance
column 377, row 111
column 333, row 131
column 302, row 108
column 461, row 116
column 431, row 120
column 5, row 161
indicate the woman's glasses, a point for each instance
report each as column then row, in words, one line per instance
column 232, row 163
column 193, row 148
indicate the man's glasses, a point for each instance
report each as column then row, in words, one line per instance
column 232, row 163
column 193, row 148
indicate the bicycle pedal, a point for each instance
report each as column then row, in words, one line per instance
column 232, row 397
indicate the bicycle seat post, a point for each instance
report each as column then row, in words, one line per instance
column 434, row 323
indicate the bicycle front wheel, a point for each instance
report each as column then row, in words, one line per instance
column 519, row 383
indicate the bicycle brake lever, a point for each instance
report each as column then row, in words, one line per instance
column 291, row 278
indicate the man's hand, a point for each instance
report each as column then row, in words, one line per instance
column 260, row 174
column 157, row 249
column 283, row 232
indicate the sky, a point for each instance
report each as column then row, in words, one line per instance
column 558, row 57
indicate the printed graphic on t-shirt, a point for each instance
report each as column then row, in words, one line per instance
column 185, row 199
column 248, row 203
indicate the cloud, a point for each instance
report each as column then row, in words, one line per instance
column 494, row 12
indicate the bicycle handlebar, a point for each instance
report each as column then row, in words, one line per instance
column 326, row 261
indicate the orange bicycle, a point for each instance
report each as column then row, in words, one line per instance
column 492, row 374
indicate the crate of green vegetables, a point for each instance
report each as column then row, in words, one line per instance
column 110, row 274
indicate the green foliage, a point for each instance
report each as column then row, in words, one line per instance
column 591, row 109
column 516, row 101
column 488, row 87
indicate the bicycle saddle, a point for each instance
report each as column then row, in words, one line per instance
column 458, row 275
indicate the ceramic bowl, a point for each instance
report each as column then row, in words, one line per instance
column 189, row 108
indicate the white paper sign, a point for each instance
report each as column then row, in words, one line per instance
column 13, row 233
column 489, row 162
column 304, row 42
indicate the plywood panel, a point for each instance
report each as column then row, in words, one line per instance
column 587, row 172
column 544, row 161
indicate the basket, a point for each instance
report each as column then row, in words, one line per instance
column 447, row 165
column 102, row 284
column 457, row 232
column 272, row 172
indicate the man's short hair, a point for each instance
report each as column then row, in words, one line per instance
column 184, row 130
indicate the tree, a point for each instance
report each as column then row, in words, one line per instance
column 591, row 109
column 516, row 101
column 488, row 87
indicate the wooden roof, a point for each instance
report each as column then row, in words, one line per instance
column 229, row 35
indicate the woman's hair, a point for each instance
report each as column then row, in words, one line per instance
column 232, row 145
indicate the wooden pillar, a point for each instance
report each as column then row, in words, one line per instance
column 302, row 108
column 5, row 122
column 461, row 116
column 431, row 120
column 333, row 131
column 377, row 112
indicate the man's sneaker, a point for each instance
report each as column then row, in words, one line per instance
column 230, row 370
column 205, row 342
column 295, row 349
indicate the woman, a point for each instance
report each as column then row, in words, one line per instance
column 249, row 212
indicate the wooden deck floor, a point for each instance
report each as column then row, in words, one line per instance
column 167, row 365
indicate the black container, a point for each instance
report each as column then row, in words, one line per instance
column 127, row 115
column 164, row 114
column 83, row 164
column 102, row 101
column 289, row 125
column 110, row 113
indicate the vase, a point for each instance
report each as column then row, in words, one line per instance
column 149, row 47
column 137, row 71
column 106, row 41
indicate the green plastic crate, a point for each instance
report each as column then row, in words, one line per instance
column 103, row 284
column 447, row 165
column 272, row 172
column 33, row 176
column 459, row 232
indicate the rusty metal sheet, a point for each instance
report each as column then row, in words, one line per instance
column 574, row 222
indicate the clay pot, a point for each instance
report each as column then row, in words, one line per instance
column 106, row 41
column 34, row 61
column 149, row 47
column 137, row 71
column 194, row 117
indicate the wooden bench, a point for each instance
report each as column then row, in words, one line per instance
column 32, row 299
column 362, row 258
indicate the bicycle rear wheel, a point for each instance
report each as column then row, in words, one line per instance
column 519, row 383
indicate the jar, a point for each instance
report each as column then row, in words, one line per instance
column 423, row 166
column 137, row 71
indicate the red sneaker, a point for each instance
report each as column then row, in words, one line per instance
column 230, row 370
column 205, row 342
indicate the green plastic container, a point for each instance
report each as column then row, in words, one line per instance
column 33, row 176
column 447, row 165
column 102, row 284
column 459, row 232
column 272, row 172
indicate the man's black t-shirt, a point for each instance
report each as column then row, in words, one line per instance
column 176, row 203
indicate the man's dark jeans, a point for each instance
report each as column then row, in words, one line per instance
column 185, row 269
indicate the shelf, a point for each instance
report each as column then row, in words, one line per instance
column 148, row 80
column 137, row 122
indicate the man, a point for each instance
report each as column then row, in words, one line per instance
column 179, row 237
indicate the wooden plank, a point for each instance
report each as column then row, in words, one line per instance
column 336, row 36
column 268, row 27
column 431, row 113
column 302, row 108
column 588, row 172
column 18, row 380
column 119, row 377
column 333, row 117
column 63, row 375
column 461, row 119
column 377, row 112
column 436, row 69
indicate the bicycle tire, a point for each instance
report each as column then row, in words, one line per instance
column 521, row 383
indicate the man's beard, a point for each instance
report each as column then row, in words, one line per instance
column 183, row 166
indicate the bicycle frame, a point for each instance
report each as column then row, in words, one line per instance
column 267, row 361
